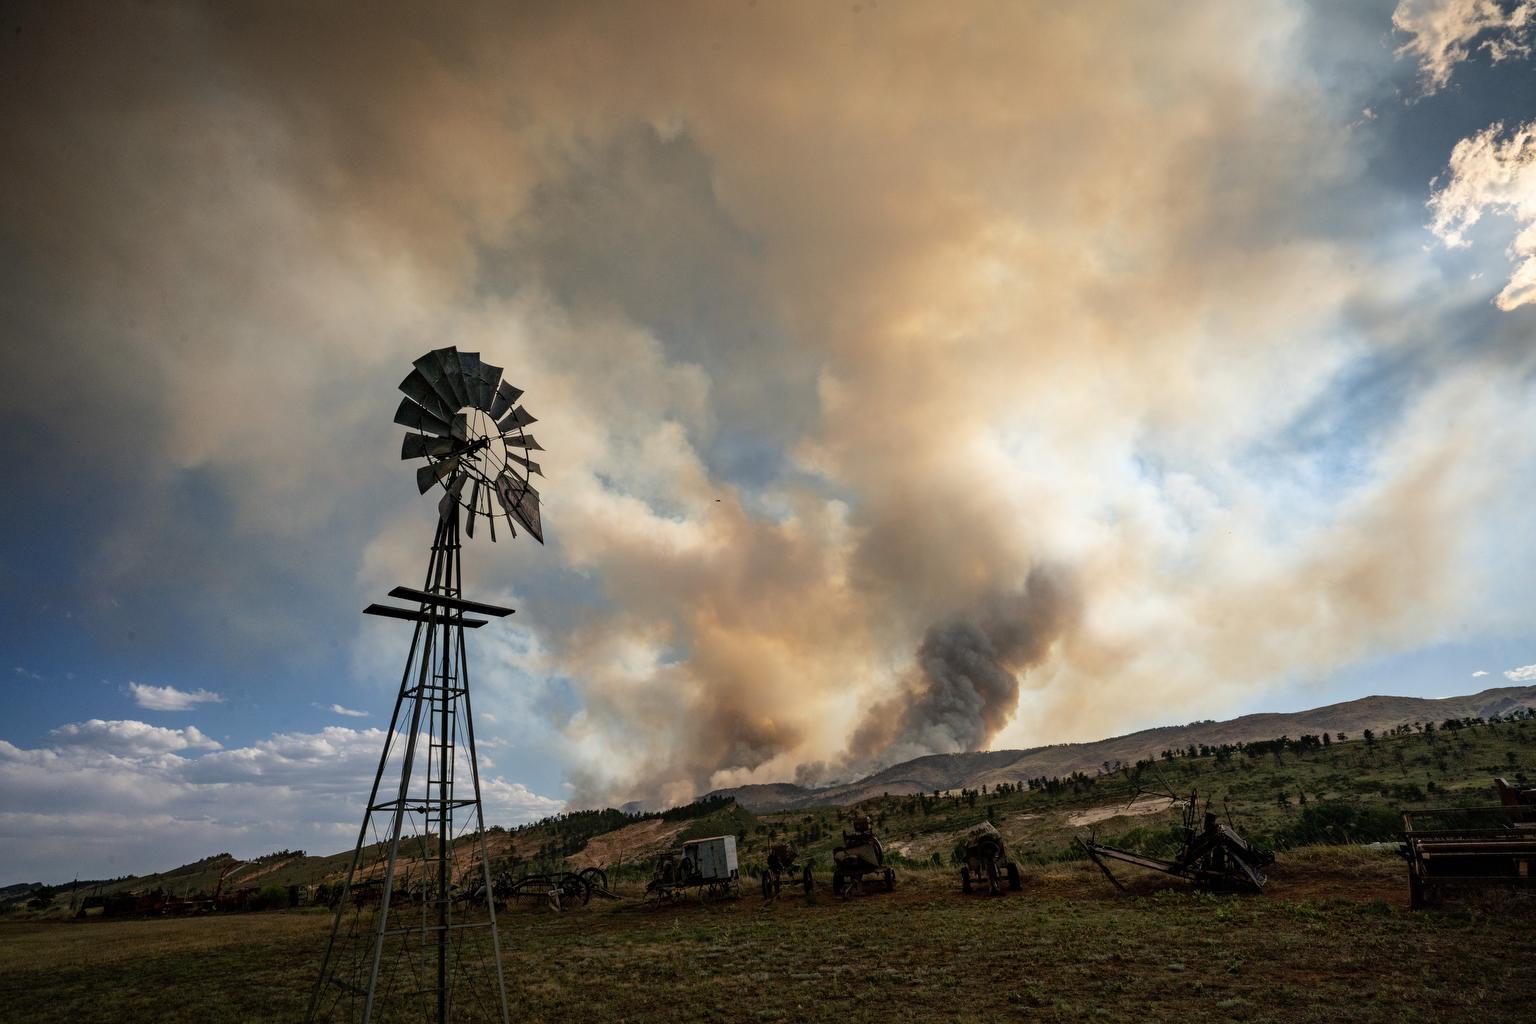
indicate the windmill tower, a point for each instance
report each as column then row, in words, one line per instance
column 414, row 936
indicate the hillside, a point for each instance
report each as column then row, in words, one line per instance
column 1039, row 797
column 989, row 768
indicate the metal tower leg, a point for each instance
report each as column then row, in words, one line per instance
column 375, row 969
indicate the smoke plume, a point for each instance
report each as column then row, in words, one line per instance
column 840, row 322
column 965, row 686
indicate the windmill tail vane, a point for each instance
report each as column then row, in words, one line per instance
column 414, row 934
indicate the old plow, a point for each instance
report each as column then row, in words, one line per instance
column 1212, row 856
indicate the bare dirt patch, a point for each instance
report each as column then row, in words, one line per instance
column 1143, row 805
column 628, row 844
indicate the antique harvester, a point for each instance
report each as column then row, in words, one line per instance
column 706, row 865
column 1213, row 856
column 860, row 856
column 783, row 862
column 986, row 860
column 1471, row 847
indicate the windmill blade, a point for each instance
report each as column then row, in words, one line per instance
column 419, row 446
column 426, row 476
column 528, row 464
column 469, row 377
column 490, row 380
column 520, row 501
column 474, row 506
column 518, row 417
column 448, row 360
column 506, row 394
column 412, row 415
column 459, row 428
column 527, row 513
column 420, row 390
column 524, row 441
column 431, row 369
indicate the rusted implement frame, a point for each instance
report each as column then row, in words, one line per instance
column 780, row 868
column 1469, row 847
column 560, row 888
column 1214, row 858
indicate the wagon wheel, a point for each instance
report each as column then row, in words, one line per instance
column 992, row 882
column 768, row 892
column 1013, row 877
column 965, row 879
column 806, row 880
column 890, row 880
column 596, row 878
column 840, row 882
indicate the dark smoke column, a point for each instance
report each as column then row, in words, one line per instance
column 968, row 667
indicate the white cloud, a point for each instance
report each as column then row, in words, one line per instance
column 25, row 674
column 1493, row 174
column 1478, row 674
column 349, row 712
column 1523, row 674
column 116, row 797
column 168, row 698
column 129, row 737
column 1442, row 33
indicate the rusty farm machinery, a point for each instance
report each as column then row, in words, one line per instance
column 985, row 861
column 860, row 857
column 1213, row 855
column 783, row 862
column 1462, row 848
column 706, row 866
column 559, row 889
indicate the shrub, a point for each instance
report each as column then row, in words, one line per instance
column 273, row 897
column 1326, row 823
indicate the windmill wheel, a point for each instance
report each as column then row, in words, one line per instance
column 467, row 428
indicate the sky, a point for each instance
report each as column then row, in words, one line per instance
column 913, row 378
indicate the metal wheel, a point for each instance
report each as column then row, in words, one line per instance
column 993, row 885
column 1013, row 877
column 596, row 878
column 965, row 879
column 890, row 880
column 840, row 882
column 768, row 892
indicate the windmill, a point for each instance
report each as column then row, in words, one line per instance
column 421, row 943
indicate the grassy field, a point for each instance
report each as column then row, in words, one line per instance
column 1331, row 939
